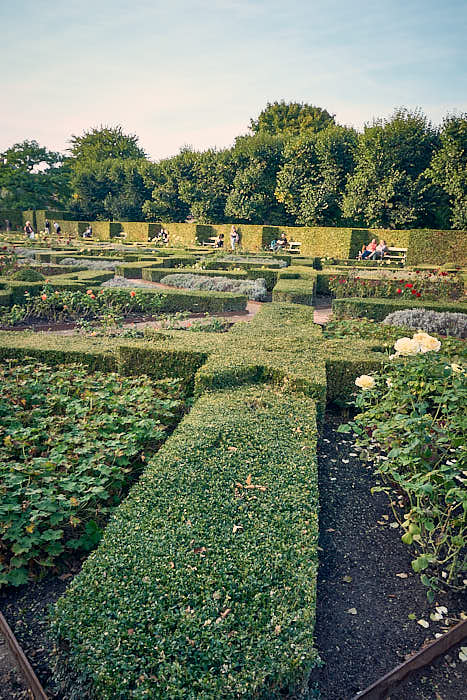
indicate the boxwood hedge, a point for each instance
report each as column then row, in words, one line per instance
column 378, row 309
column 204, row 584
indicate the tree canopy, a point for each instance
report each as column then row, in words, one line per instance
column 291, row 118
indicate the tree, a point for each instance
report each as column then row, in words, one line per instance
column 312, row 180
column 165, row 181
column 206, row 190
column 105, row 164
column 390, row 187
column 101, row 144
column 449, row 168
column 291, row 118
column 251, row 199
column 32, row 177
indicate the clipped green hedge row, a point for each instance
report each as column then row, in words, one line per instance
column 5, row 297
column 14, row 216
column 17, row 289
column 180, row 601
column 378, row 309
column 295, row 286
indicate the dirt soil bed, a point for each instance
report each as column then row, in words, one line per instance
column 363, row 629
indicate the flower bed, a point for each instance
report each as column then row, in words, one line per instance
column 412, row 426
column 429, row 286
column 70, row 444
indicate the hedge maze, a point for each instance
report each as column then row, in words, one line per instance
column 204, row 584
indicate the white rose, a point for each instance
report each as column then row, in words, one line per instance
column 420, row 336
column 407, row 346
column 365, row 382
column 429, row 344
column 456, row 368
column 389, row 383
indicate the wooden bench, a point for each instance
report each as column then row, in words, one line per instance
column 398, row 254
column 294, row 247
column 211, row 242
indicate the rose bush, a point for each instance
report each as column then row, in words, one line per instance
column 412, row 425
column 427, row 285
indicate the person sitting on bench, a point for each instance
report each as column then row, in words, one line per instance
column 369, row 250
column 381, row 250
column 281, row 243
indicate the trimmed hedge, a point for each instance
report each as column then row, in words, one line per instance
column 295, row 290
column 139, row 230
column 134, row 270
column 105, row 230
column 5, row 297
column 17, row 289
column 320, row 241
column 378, row 309
column 437, row 247
column 199, row 301
column 180, row 601
column 14, row 216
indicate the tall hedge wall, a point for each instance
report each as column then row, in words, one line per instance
column 139, row 230
column 105, row 230
column 62, row 217
column 437, row 247
column 14, row 216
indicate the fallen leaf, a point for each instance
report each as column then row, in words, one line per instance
column 232, row 449
column 248, row 480
column 463, row 654
column 402, row 575
column 236, row 528
column 226, row 612
column 130, row 631
column 347, row 579
column 351, row 611
column 423, row 623
column 394, row 525
column 277, row 629
column 330, row 529
column 411, row 616
column 197, row 550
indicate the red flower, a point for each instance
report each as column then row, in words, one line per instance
column 132, row 294
column 398, row 291
column 418, row 294
column 414, row 291
column 93, row 296
column 408, row 285
column 43, row 297
column 89, row 291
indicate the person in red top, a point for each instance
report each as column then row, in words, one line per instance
column 370, row 250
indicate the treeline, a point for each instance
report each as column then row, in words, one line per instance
column 296, row 166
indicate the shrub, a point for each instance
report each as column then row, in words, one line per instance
column 27, row 274
column 254, row 289
column 70, row 444
column 412, row 426
column 443, row 323
column 204, row 583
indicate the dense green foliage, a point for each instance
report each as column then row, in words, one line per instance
column 296, row 166
column 32, row 177
column 70, row 444
column 209, row 586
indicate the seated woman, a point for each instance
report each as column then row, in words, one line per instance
column 370, row 250
column 219, row 242
column 381, row 250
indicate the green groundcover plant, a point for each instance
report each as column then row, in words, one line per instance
column 70, row 445
column 64, row 305
column 426, row 285
column 412, row 425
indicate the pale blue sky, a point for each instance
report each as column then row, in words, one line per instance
column 177, row 72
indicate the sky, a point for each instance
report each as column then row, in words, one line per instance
column 180, row 72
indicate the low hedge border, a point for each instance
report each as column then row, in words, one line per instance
column 18, row 289
column 378, row 309
column 215, row 585
column 134, row 270
column 299, row 289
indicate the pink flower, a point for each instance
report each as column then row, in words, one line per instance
column 43, row 297
column 132, row 294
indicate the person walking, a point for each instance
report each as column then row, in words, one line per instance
column 58, row 229
column 28, row 230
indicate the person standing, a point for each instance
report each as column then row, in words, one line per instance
column 58, row 229
column 234, row 237
column 47, row 227
column 7, row 225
